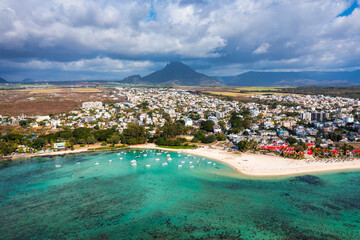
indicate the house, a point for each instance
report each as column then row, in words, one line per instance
column 59, row 146
column 188, row 122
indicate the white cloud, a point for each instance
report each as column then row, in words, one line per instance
column 263, row 48
column 243, row 33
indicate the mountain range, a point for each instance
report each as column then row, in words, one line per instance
column 174, row 73
column 3, row 80
column 305, row 78
column 177, row 73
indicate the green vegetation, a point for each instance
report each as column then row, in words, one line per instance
column 335, row 91
column 179, row 147
column 107, row 148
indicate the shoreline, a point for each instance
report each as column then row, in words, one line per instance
column 247, row 164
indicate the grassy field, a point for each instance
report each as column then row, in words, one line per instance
column 241, row 94
column 61, row 90
column 273, row 89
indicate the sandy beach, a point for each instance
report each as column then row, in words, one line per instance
column 249, row 164
column 257, row 165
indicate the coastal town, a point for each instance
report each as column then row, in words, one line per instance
column 293, row 126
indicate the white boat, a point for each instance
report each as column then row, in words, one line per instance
column 158, row 153
column 179, row 165
column 57, row 165
column 191, row 166
column 118, row 154
column 148, row 165
column 77, row 162
column 145, row 155
column 164, row 164
column 121, row 158
column 134, row 164
column 179, row 155
column 110, row 160
column 214, row 164
column 169, row 159
column 208, row 162
column 186, row 157
column 190, row 162
column 168, row 155
column 133, row 161
column 96, row 163
column 157, row 159
column 182, row 161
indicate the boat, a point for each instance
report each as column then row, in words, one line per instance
column 110, row 160
column 164, row 164
column 57, row 165
column 157, row 159
column 182, row 161
column 77, row 162
column 96, row 163
column 190, row 162
column 137, row 156
column 134, row 164
column 214, row 164
column 148, row 165
column 133, row 161
column 169, row 159
column 168, row 155
column 121, row 158
column 208, row 162
column 179, row 165
column 145, row 155
column 191, row 166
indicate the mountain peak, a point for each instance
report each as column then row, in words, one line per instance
column 177, row 73
column 3, row 80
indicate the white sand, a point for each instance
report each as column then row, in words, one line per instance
column 264, row 165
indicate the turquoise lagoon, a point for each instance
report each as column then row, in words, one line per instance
column 71, row 197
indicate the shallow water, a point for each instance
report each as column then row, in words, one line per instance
column 56, row 198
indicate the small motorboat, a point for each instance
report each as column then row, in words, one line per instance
column 169, row 159
column 96, row 163
column 121, row 158
column 214, row 164
column 137, row 156
column 77, row 162
column 208, row 162
column 164, row 164
column 110, row 160
column 57, row 165
column 168, row 155
column 179, row 165
column 190, row 162
column 133, row 161
column 145, row 155
column 148, row 165
column 182, row 161
column 157, row 159
column 191, row 166
column 134, row 164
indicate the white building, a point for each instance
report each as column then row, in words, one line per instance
column 92, row 105
column 188, row 122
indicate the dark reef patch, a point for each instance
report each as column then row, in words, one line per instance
column 309, row 179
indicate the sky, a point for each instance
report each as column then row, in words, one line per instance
column 112, row 39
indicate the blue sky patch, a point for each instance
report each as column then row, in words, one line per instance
column 348, row 11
